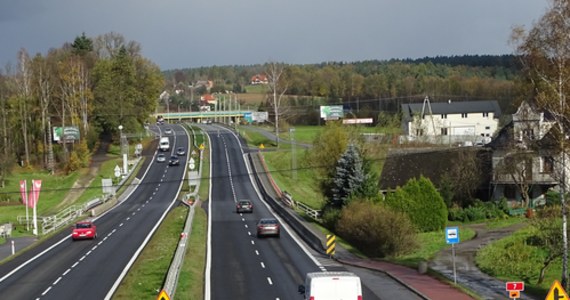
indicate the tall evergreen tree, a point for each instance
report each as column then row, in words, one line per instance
column 349, row 177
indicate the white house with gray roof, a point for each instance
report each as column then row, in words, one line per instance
column 451, row 122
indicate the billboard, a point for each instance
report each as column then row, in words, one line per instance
column 256, row 116
column 71, row 134
column 333, row 112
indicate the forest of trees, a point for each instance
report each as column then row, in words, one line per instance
column 91, row 84
column 370, row 87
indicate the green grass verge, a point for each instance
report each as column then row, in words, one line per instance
column 146, row 277
column 94, row 190
column 191, row 279
column 280, row 166
column 514, row 259
column 254, row 138
column 430, row 243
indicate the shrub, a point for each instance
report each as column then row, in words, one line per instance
column 456, row 214
column 422, row 202
column 330, row 217
column 479, row 211
column 376, row 230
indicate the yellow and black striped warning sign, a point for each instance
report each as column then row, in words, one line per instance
column 331, row 243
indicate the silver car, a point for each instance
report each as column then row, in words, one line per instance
column 160, row 157
column 268, row 227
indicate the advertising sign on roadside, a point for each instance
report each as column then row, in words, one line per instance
column 332, row 112
column 69, row 134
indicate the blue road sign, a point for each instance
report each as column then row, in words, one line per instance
column 452, row 235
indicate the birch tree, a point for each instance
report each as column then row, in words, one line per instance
column 24, row 85
column 45, row 93
column 278, row 87
column 545, row 55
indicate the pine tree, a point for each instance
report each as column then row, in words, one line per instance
column 349, row 177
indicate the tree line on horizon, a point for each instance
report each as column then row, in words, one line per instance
column 370, row 87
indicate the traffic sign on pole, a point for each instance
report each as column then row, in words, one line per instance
column 163, row 296
column 514, row 286
column 514, row 294
column 556, row 292
column 452, row 235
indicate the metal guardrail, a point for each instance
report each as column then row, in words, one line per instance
column 171, row 280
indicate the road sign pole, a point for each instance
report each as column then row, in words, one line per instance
column 453, row 260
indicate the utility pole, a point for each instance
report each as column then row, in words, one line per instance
column 293, row 153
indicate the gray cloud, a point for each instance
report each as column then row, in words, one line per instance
column 182, row 33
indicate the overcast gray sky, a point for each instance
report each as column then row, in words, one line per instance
column 186, row 33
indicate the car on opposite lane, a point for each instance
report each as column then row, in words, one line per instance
column 244, row 206
column 174, row 161
column 84, row 230
column 268, row 227
column 180, row 151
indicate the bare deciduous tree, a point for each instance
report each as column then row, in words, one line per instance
column 278, row 87
column 24, row 84
column 545, row 53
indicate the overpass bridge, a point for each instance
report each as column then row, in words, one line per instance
column 199, row 116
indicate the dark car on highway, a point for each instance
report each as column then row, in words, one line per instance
column 174, row 161
column 244, row 206
column 268, row 227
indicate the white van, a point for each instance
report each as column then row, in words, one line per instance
column 164, row 144
column 331, row 286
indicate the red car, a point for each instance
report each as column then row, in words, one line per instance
column 84, row 230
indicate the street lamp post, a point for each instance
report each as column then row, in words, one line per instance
column 123, row 152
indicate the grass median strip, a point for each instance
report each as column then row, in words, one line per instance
column 191, row 278
column 145, row 278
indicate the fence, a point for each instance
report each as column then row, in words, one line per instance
column 313, row 213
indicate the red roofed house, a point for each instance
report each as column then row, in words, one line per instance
column 259, row 79
column 208, row 99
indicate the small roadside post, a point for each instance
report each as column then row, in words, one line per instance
column 514, row 288
column 452, row 237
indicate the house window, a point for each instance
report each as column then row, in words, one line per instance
column 444, row 116
column 528, row 134
column 419, row 132
column 510, row 192
column 485, row 115
column 464, row 115
column 444, row 131
column 546, row 164
column 487, row 127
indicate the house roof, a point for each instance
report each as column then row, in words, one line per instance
column 258, row 77
column 433, row 164
column 452, row 107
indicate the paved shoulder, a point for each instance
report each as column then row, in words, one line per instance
column 18, row 243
